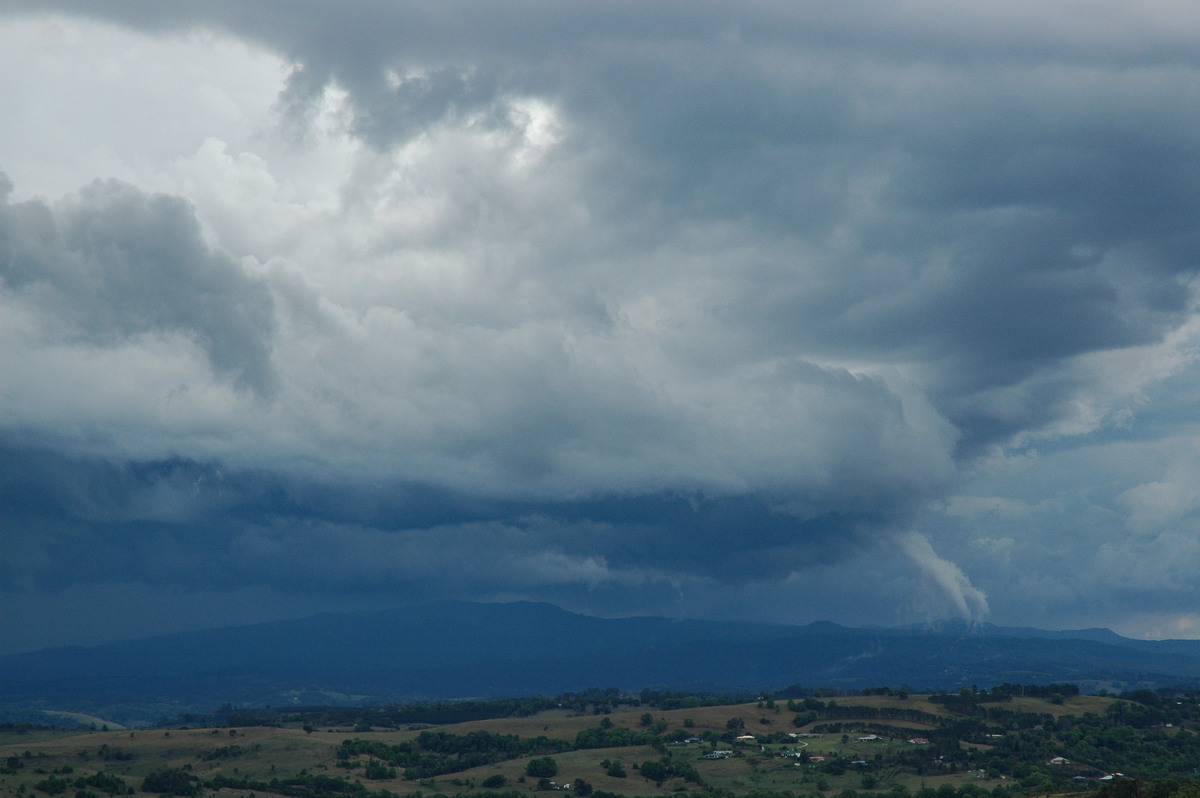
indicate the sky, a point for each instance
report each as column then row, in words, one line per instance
column 873, row 312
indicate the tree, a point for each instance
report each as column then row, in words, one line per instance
column 541, row 767
column 113, row 785
column 804, row 718
column 52, row 786
column 495, row 782
column 655, row 771
column 378, row 770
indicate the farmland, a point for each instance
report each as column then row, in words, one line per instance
column 886, row 744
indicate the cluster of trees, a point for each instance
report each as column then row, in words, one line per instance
column 172, row 781
column 435, row 753
column 55, row 784
column 1128, row 738
column 104, row 782
column 597, row 701
column 302, row 785
column 668, row 767
column 674, row 699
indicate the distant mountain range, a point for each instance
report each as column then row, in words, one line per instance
column 451, row 649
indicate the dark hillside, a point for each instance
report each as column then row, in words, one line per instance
column 458, row 649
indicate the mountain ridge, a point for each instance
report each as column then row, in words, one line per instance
column 457, row 649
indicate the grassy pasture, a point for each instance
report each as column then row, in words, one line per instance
column 263, row 753
column 1073, row 705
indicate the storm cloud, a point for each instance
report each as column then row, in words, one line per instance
column 112, row 264
column 685, row 308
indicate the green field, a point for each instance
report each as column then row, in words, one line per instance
column 271, row 759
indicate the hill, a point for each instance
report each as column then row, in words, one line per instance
column 458, row 649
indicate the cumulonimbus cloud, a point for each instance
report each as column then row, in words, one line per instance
column 715, row 295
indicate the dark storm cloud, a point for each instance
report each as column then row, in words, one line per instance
column 181, row 522
column 759, row 284
column 113, row 262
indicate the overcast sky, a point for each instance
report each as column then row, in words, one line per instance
column 876, row 312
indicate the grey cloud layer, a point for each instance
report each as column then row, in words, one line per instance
column 634, row 295
column 112, row 263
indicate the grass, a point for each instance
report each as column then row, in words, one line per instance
column 267, row 752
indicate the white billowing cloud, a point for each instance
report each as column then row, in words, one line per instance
column 455, row 305
column 91, row 100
